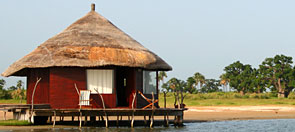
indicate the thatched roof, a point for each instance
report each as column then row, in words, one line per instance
column 92, row 41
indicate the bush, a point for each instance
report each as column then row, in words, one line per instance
column 229, row 95
column 4, row 94
column 237, row 96
column 246, row 96
column 291, row 95
column 254, row 96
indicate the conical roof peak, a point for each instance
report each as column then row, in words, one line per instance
column 95, row 30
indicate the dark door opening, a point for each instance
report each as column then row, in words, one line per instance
column 125, row 86
column 121, row 79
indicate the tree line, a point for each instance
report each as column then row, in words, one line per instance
column 12, row 92
column 275, row 74
column 194, row 84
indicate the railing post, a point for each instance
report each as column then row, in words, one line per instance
column 153, row 107
column 32, row 99
column 134, row 96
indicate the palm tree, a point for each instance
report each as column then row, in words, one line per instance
column 173, row 84
column 200, row 79
column 224, row 81
column 190, row 86
column 19, row 93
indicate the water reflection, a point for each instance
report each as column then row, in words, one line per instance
column 280, row 125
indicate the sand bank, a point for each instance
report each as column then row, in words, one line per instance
column 218, row 113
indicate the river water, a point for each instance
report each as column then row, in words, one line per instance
column 274, row 125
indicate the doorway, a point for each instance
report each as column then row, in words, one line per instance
column 125, row 85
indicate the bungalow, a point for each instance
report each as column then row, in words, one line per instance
column 91, row 54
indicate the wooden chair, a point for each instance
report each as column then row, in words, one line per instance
column 84, row 98
column 150, row 101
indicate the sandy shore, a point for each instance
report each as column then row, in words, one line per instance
column 208, row 113
column 218, row 113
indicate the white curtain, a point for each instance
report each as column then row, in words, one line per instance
column 149, row 82
column 102, row 80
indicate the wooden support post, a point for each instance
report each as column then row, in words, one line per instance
column 4, row 115
column 60, row 117
column 80, row 125
column 145, row 122
column 19, row 114
column 175, row 121
column 54, row 119
column 80, row 117
column 85, row 120
column 104, row 108
column 152, row 121
column 167, row 122
column 63, row 117
column 107, row 121
column 132, row 122
column 153, row 108
column 32, row 99
column 179, row 120
column 157, row 85
column 117, row 123
column 92, row 119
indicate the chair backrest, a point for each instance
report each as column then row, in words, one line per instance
column 85, row 97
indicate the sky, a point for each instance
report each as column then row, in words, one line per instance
column 190, row 35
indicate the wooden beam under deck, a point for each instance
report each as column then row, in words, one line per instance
column 12, row 107
column 110, row 112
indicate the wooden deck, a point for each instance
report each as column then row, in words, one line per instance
column 43, row 113
column 11, row 107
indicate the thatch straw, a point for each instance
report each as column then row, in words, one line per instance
column 92, row 41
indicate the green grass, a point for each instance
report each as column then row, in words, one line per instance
column 215, row 99
column 11, row 101
column 228, row 99
column 14, row 123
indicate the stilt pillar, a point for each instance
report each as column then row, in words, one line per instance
column 92, row 119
